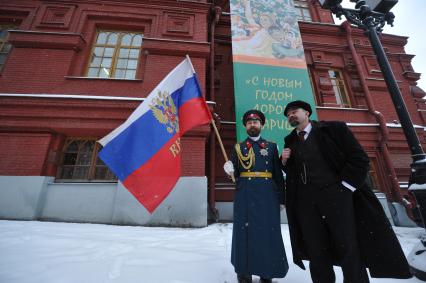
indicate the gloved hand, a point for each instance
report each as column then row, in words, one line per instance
column 228, row 167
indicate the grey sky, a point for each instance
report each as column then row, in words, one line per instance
column 408, row 15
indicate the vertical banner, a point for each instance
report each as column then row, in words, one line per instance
column 269, row 63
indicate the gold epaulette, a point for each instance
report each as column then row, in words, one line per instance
column 246, row 161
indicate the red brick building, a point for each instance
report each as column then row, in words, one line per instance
column 71, row 71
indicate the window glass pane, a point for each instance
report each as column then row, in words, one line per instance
column 137, row 40
column 106, row 62
column 127, row 39
column 343, row 95
column 101, row 173
column 96, row 62
column 3, row 33
column 122, row 63
column 120, row 73
column 124, row 52
column 84, row 158
column 99, row 161
column 132, row 64
column 98, row 51
column 134, row 53
column 102, row 37
column 73, row 146
column 108, row 52
column 112, row 39
column 337, row 94
column 130, row 74
column 80, row 172
column 93, row 72
column 70, row 158
column 2, row 58
column 104, row 73
column 337, row 75
column 67, row 172
column 86, row 146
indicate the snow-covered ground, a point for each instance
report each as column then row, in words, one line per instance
column 45, row 252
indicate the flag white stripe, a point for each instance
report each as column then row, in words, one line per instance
column 179, row 75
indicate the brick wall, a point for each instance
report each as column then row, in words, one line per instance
column 23, row 154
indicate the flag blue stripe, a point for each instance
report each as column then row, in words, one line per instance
column 143, row 138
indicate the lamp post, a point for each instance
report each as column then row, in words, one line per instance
column 371, row 16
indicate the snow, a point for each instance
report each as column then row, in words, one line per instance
column 46, row 252
column 414, row 187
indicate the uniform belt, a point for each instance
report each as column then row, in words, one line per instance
column 256, row 174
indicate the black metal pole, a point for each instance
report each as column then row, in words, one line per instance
column 372, row 23
column 401, row 110
column 418, row 167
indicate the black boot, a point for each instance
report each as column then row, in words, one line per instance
column 244, row 278
column 265, row 280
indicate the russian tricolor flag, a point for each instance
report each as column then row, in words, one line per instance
column 145, row 152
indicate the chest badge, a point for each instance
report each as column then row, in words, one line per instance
column 264, row 149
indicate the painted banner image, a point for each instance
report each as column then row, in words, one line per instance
column 269, row 63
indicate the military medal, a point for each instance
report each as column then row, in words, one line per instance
column 264, row 150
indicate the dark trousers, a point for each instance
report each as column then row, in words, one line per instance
column 326, row 219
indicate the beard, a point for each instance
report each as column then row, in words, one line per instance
column 253, row 132
column 294, row 122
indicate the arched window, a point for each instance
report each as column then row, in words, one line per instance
column 80, row 162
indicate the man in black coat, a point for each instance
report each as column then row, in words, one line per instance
column 333, row 217
column 257, row 244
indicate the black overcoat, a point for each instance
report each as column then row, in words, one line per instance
column 257, row 244
column 379, row 246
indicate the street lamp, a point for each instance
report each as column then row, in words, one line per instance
column 371, row 16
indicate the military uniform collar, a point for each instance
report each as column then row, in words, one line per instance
column 259, row 140
column 255, row 139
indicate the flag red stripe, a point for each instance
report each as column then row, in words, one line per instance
column 193, row 113
column 151, row 183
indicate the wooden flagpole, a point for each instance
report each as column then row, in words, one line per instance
column 215, row 128
column 221, row 145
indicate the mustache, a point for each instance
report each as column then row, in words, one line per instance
column 253, row 131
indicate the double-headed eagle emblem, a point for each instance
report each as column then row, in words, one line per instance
column 165, row 111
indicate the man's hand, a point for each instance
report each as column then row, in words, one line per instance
column 228, row 167
column 285, row 155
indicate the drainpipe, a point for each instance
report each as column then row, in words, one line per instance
column 217, row 11
column 394, row 193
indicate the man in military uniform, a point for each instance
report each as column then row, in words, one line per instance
column 257, row 245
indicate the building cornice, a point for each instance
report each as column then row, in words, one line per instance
column 73, row 96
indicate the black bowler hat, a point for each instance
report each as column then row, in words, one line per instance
column 298, row 104
column 254, row 115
